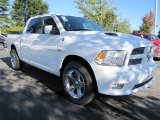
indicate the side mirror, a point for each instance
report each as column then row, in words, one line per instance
column 49, row 29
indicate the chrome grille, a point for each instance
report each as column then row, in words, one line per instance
column 135, row 61
column 140, row 55
column 138, row 51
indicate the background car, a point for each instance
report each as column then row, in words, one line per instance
column 140, row 34
column 2, row 42
column 156, row 40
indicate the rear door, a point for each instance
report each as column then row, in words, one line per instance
column 30, row 38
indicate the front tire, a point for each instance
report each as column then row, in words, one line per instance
column 78, row 84
column 15, row 61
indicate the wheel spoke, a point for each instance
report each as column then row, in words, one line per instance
column 81, row 84
column 13, row 59
column 71, row 89
column 78, row 77
column 79, row 93
column 70, row 77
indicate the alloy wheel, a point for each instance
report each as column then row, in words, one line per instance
column 13, row 59
column 74, row 84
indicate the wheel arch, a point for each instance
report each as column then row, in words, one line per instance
column 82, row 61
column 13, row 47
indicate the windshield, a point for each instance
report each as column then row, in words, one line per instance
column 151, row 37
column 71, row 23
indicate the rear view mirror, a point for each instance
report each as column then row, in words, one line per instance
column 49, row 29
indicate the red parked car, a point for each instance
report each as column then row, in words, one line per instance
column 140, row 34
column 156, row 40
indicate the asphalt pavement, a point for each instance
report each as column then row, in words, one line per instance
column 33, row 94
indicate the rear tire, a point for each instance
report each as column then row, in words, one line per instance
column 15, row 61
column 78, row 84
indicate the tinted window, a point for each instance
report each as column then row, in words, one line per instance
column 35, row 26
column 151, row 37
column 146, row 36
column 71, row 23
column 49, row 21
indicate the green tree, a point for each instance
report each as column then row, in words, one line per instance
column 122, row 26
column 148, row 22
column 22, row 10
column 101, row 12
column 3, row 11
column 4, row 20
column 98, row 11
column 3, row 6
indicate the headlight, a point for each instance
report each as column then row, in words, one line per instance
column 111, row 58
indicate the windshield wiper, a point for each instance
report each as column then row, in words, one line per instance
column 79, row 30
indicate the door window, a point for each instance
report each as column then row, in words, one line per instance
column 48, row 20
column 35, row 26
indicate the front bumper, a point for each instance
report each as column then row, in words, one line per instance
column 116, row 81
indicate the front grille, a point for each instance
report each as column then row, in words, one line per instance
column 141, row 84
column 135, row 61
column 137, row 51
column 141, row 55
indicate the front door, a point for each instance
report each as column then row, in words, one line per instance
column 45, row 48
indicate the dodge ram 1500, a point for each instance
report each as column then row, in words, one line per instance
column 88, row 59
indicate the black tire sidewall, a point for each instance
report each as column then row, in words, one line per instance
column 89, row 87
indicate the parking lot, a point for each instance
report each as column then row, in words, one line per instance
column 32, row 94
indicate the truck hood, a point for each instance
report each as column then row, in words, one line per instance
column 110, row 40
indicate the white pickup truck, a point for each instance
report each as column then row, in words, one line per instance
column 87, row 58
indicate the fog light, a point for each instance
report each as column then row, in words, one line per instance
column 117, row 86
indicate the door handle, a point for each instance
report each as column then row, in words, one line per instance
column 37, row 39
column 52, row 48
